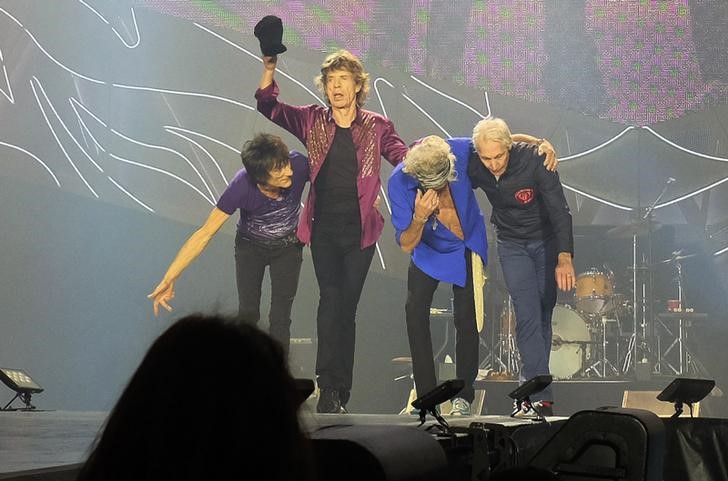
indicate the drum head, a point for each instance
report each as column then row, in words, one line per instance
column 569, row 342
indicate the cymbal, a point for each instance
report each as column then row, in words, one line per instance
column 640, row 268
column 440, row 311
column 638, row 228
column 405, row 361
column 676, row 257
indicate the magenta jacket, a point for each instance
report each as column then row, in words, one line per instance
column 374, row 137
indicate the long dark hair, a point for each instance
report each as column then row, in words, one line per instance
column 211, row 400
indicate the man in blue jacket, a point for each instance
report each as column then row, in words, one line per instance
column 437, row 219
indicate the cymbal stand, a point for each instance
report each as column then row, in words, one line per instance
column 508, row 359
column 631, row 358
column 600, row 367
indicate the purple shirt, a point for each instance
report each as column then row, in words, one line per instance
column 374, row 137
column 262, row 218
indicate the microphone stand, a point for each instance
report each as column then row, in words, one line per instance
column 649, row 209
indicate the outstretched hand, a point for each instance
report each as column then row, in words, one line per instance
column 163, row 293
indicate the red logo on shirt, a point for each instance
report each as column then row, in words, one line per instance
column 524, row 196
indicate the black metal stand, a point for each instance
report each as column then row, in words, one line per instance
column 25, row 398
column 441, row 421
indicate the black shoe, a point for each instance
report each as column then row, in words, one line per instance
column 328, row 402
column 546, row 408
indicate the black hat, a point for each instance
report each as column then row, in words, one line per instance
column 269, row 32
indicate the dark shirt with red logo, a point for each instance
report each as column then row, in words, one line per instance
column 528, row 200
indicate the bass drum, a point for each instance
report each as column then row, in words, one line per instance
column 569, row 342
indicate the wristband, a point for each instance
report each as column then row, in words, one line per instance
column 419, row 220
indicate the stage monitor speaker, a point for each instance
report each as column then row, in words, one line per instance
column 614, row 444
column 648, row 400
column 378, row 453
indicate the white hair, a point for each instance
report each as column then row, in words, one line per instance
column 494, row 129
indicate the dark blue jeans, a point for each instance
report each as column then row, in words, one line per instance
column 284, row 264
column 529, row 270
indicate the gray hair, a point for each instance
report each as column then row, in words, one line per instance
column 492, row 128
column 431, row 162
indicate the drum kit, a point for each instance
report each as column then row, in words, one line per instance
column 582, row 331
column 605, row 330
column 609, row 328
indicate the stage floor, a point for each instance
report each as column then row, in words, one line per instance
column 44, row 439
column 55, row 442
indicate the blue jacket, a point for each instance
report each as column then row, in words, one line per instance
column 440, row 254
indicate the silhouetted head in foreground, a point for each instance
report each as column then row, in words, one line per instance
column 211, row 400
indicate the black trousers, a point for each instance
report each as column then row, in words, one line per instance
column 420, row 289
column 341, row 268
column 284, row 264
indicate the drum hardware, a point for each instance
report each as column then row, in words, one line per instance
column 638, row 346
column 637, row 228
column 600, row 366
column 644, row 225
column 685, row 358
column 687, row 363
column 578, row 339
column 507, row 357
column 595, row 300
column 676, row 257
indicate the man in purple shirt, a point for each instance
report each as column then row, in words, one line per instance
column 268, row 194
column 345, row 145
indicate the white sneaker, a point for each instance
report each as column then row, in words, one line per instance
column 460, row 407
